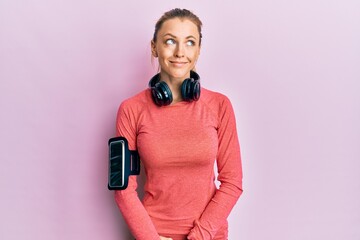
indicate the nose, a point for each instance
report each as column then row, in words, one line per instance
column 179, row 51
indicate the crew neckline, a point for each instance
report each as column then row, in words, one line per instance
column 177, row 104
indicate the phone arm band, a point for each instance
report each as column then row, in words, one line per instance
column 122, row 163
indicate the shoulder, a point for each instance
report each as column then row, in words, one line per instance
column 220, row 106
column 214, row 100
column 137, row 102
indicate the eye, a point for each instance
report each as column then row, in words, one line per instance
column 190, row 43
column 170, row 41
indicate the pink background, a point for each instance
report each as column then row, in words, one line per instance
column 290, row 68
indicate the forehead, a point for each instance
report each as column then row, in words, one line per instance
column 179, row 28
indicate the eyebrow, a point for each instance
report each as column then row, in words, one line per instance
column 190, row 36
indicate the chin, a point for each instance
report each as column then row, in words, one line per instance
column 179, row 73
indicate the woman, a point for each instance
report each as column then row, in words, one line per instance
column 179, row 133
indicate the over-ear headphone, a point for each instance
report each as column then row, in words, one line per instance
column 161, row 93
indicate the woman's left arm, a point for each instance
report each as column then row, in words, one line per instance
column 230, row 176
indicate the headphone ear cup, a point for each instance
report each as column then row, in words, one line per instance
column 161, row 94
column 185, row 90
column 190, row 90
column 196, row 90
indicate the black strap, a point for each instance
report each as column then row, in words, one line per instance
column 135, row 163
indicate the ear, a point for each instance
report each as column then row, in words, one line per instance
column 153, row 49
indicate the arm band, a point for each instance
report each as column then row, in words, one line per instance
column 122, row 163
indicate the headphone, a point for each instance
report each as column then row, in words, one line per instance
column 161, row 93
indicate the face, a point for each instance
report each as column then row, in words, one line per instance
column 177, row 48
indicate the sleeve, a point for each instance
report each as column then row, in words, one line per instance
column 230, row 176
column 127, row 200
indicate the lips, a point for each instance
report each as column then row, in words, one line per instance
column 178, row 64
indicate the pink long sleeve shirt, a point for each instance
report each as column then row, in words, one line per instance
column 178, row 145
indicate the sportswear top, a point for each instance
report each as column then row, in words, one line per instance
column 178, row 145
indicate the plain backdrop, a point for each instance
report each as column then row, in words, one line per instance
column 290, row 68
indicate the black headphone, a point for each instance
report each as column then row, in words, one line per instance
column 161, row 93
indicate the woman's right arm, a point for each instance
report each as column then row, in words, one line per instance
column 127, row 200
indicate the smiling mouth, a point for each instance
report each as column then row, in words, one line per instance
column 178, row 64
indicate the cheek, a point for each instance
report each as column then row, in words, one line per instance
column 165, row 52
column 194, row 55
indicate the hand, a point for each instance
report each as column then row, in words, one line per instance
column 165, row 238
